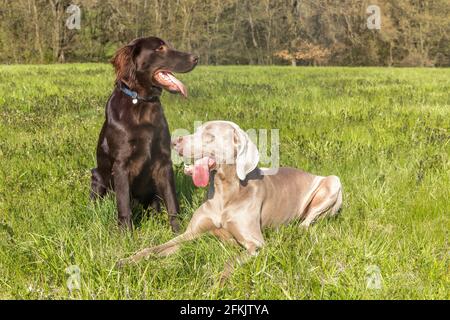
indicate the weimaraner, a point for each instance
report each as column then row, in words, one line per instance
column 242, row 198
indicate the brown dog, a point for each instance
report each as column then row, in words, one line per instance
column 133, row 151
column 243, row 199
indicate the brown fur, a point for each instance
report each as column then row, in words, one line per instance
column 124, row 65
column 133, row 150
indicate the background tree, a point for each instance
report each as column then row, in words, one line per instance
column 325, row 32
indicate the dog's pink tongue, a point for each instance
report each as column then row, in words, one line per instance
column 177, row 85
column 200, row 174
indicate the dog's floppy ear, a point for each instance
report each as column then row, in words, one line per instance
column 247, row 154
column 124, row 64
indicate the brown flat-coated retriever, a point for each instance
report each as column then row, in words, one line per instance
column 133, row 151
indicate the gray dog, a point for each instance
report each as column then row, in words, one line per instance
column 243, row 199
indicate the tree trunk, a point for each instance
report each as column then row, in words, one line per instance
column 56, row 37
column 252, row 27
column 269, row 33
column 37, row 33
column 391, row 58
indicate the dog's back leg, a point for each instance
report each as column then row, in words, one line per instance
column 327, row 198
column 338, row 204
column 101, row 176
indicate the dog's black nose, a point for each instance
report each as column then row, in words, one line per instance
column 195, row 59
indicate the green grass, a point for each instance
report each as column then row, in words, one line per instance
column 384, row 132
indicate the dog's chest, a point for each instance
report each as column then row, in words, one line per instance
column 146, row 114
column 147, row 144
column 145, row 140
column 140, row 155
column 147, row 127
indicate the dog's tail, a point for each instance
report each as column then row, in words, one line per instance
column 338, row 204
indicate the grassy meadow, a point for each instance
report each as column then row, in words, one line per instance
column 384, row 132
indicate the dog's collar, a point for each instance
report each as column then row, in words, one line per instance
column 134, row 95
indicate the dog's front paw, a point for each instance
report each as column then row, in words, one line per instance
column 175, row 225
column 125, row 224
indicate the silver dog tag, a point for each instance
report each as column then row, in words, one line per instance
column 135, row 101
